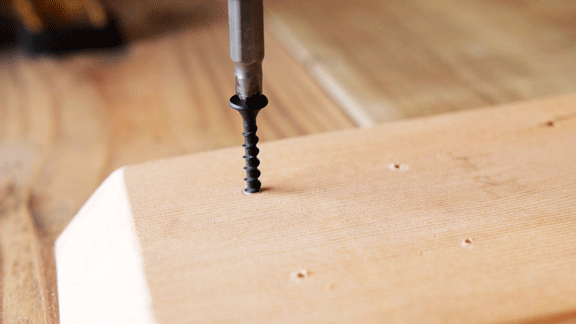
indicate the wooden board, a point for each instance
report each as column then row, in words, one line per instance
column 466, row 217
column 66, row 124
column 387, row 60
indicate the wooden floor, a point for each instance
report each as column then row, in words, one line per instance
column 385, row 60
column 66, row 124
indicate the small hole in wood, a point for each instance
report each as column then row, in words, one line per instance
column 398, row 167
column 550, row 123
column 467, row 242
column 300, row 275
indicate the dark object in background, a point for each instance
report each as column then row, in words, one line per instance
column 7, row 32
column 60, row 40
column 52, row 27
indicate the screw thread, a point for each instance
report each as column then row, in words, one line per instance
column 251, row 157
column 249, row 109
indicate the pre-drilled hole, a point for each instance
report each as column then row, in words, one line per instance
column 467, row 242
column 398, row 167
column 299, row 275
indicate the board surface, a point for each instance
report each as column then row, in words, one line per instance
column 467, row 217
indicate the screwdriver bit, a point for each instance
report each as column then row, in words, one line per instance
column 246, row 18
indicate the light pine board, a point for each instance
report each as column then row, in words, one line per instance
column 387, row 60
column 461, row 218
column 66, row 124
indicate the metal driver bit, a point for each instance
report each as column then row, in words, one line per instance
column 247, row 51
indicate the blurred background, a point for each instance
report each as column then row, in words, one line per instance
column 87, row 86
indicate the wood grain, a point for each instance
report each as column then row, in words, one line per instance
column 66, row 124
column 387, row 60
column 458, row 218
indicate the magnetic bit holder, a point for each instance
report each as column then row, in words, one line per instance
column 249, row 109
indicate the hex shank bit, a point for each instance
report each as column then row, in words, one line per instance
column 247, row 45
column 247, row 51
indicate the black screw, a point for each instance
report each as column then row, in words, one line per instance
column 249, row 109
